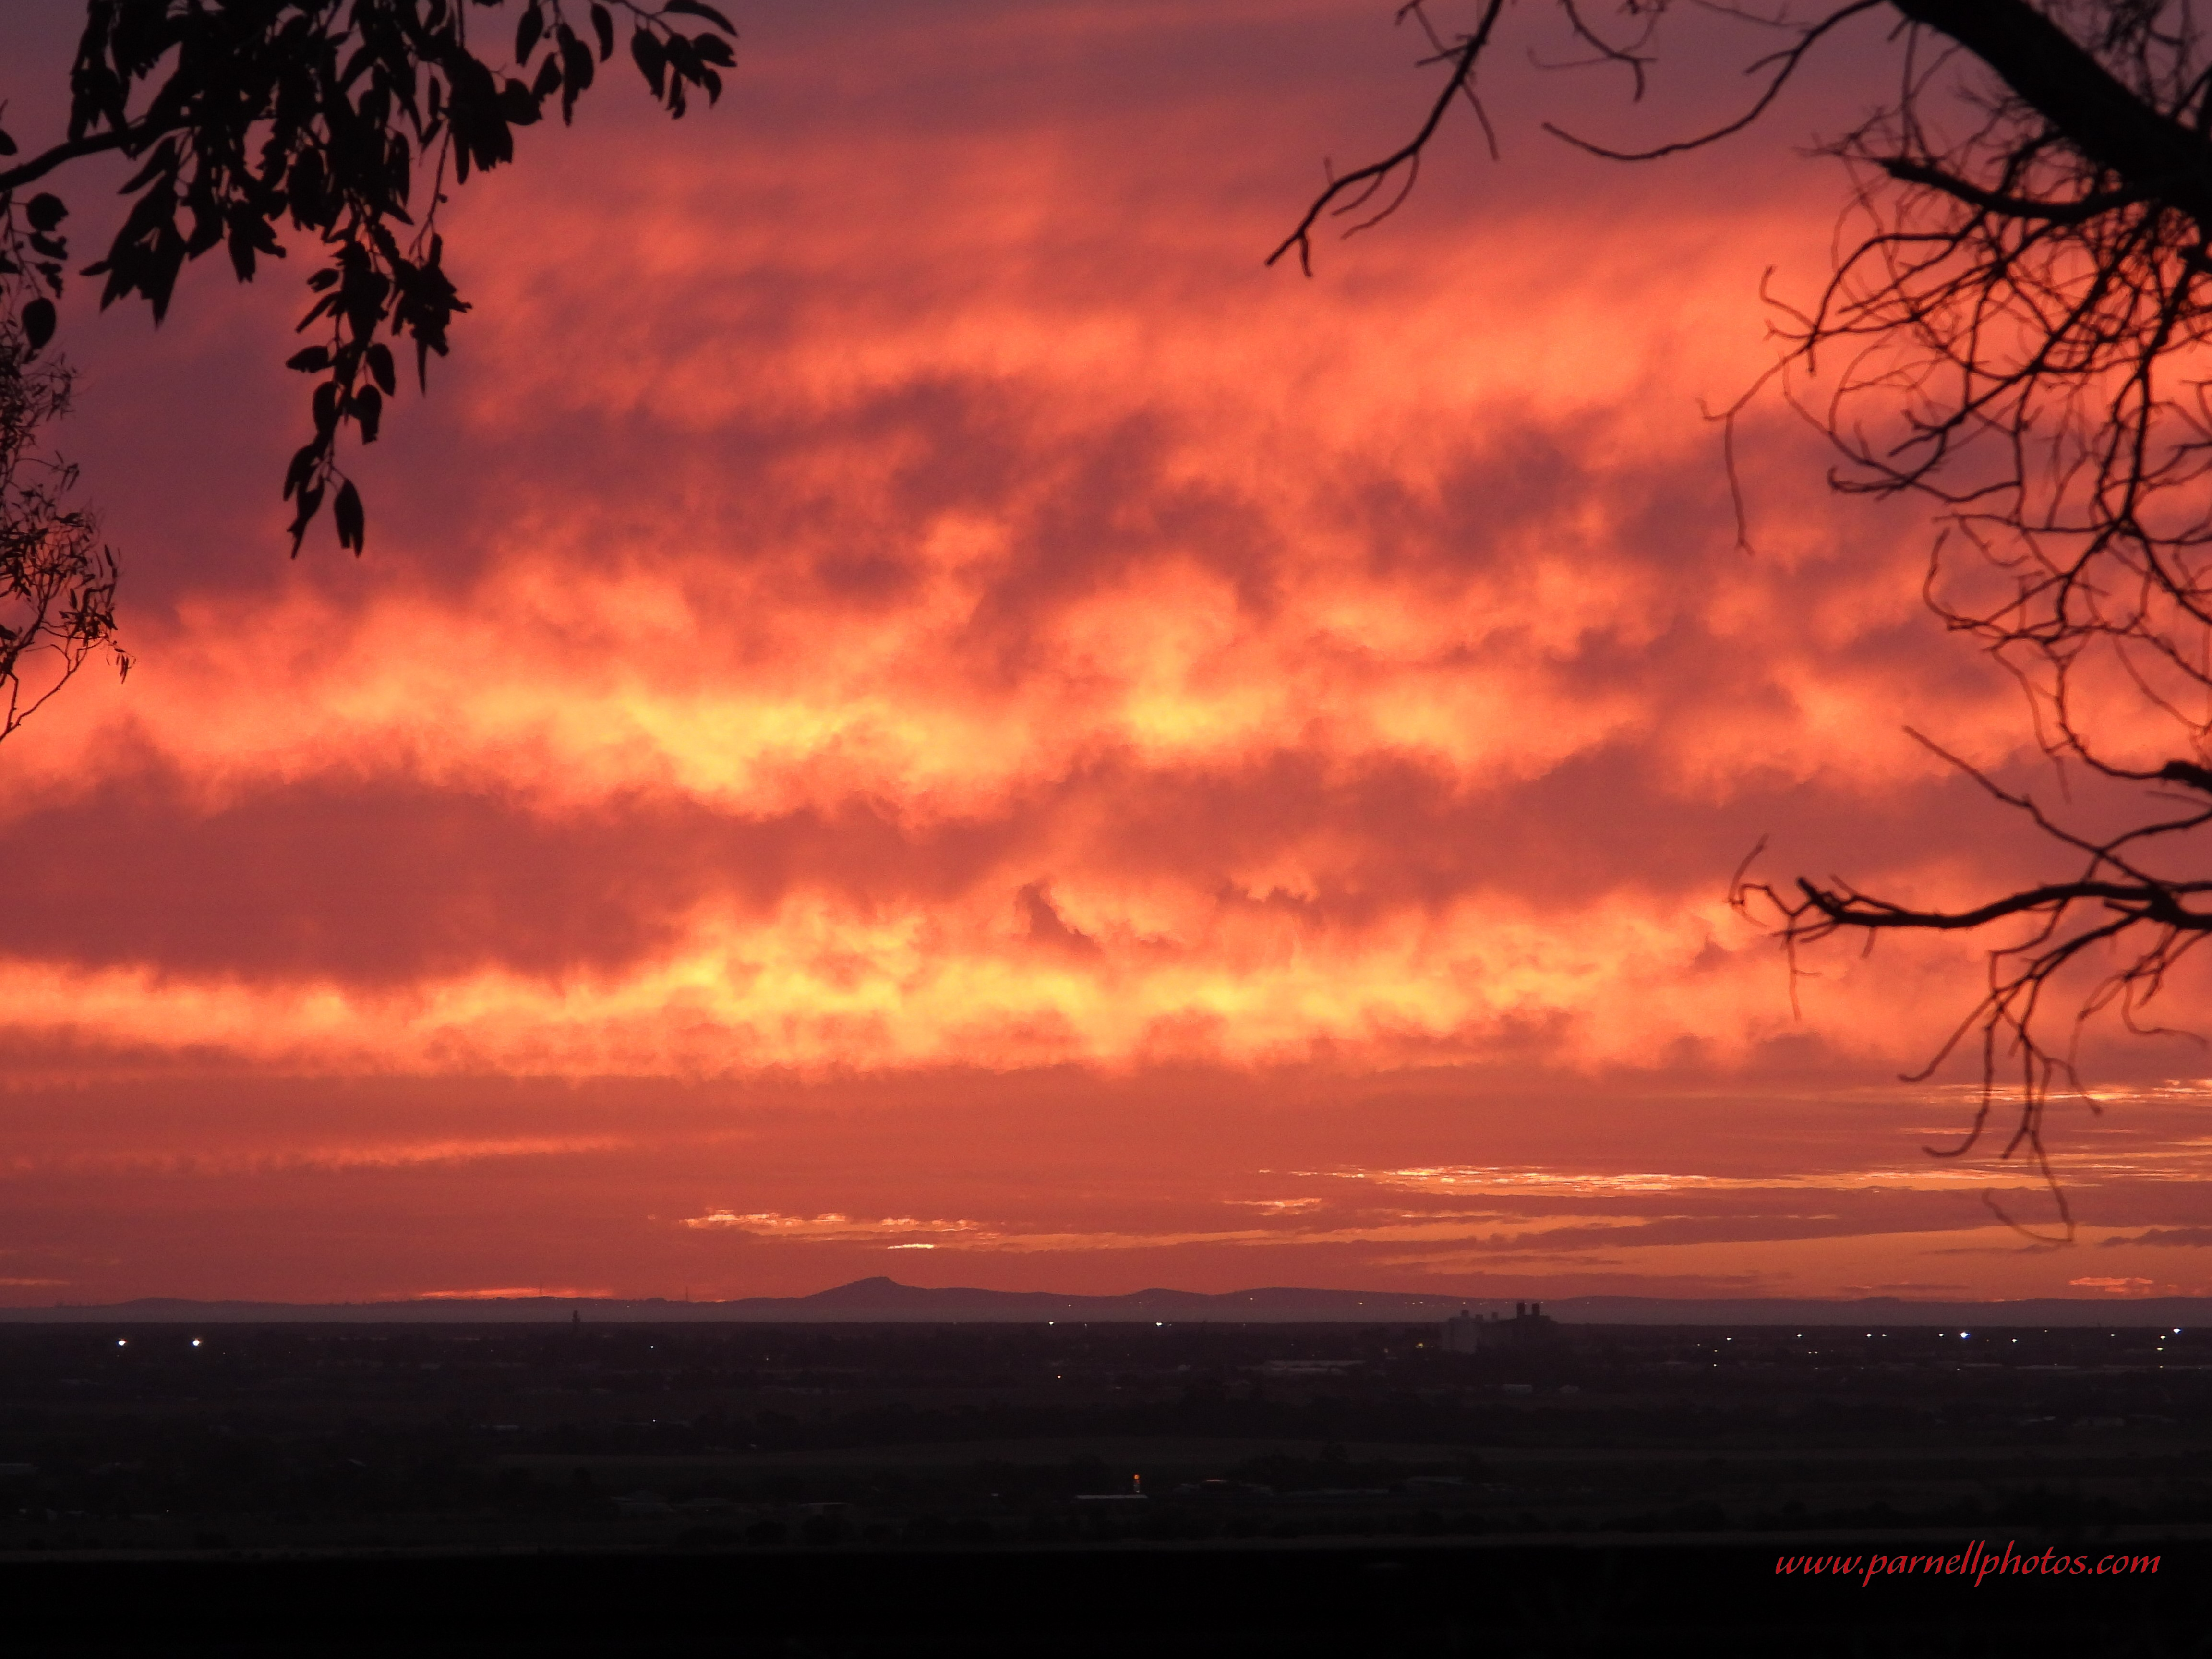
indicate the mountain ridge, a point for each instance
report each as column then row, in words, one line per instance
column 879, row 1299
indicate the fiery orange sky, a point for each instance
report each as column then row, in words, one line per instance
column 911, row 709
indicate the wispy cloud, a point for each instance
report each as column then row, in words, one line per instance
column 829, row 1228
column 2167, row 1237
column 512, row 1292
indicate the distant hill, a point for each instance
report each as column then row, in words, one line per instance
column 884, row 1301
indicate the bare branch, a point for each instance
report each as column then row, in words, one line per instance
column 1786, row 64
column 1462, row 59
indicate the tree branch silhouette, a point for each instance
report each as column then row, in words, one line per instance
column 2015, row 334
column 345, row 122
column 57, row 576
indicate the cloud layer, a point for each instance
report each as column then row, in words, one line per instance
column 890, row 583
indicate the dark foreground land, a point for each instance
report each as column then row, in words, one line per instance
column 1092, row 1489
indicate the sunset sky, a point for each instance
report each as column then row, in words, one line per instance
column 912, row 708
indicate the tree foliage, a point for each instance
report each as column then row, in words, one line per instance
column 2015, row 333
column 343, row 123
column 57, row 576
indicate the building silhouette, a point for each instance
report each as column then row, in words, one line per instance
column 1468, row 1333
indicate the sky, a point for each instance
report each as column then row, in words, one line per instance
column 912, row 707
